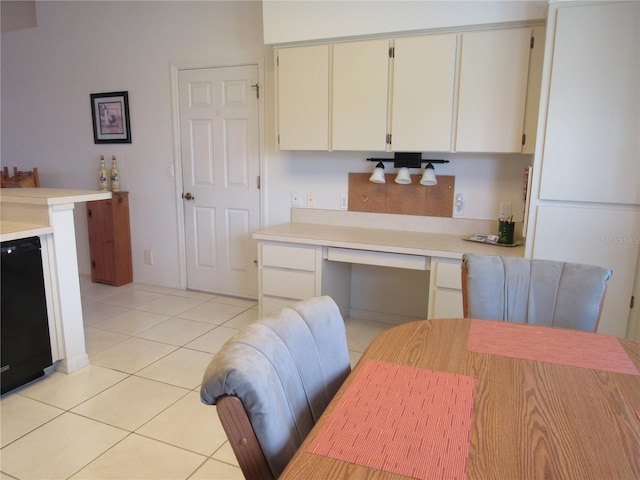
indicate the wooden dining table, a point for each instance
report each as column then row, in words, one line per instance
column 481, row 399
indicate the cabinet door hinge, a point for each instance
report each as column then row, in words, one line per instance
column 524, row 139
column 392, row 52
column 533, row 40
column 632, row 301
column 278, row 61
column 258, row 182
column 278, row 139
column 388, row 141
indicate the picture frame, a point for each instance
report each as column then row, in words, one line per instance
column 110, row 113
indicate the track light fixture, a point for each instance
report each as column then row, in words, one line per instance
column 404, row 161
column 429, row 176
column 378, row 174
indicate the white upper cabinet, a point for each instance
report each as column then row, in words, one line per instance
column 493, row 90
column 423, row 93
column 360, row 95
column 592, row 142
column 467, row 92
column 303, row 97
column 534, row 84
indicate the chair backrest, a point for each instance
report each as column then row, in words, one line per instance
column 282, row 370
column 20, row 179
column 540, row 292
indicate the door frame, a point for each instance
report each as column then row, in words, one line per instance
column 176, row 67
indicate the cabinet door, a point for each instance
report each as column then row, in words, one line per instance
column 591, row 143
column 101, row 246
column 596, row 236
column 534, row 84
column 445, row 289
column 303, row 97
column 360, row 86
column 121, row 239
column 423, row 88
column 493, row 90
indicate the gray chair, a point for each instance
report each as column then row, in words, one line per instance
column 539, row 292
column 272, row 381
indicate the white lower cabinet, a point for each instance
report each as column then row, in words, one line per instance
column 445, row 288
column 289, row 273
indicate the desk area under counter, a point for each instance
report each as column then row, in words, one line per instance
column 308, row 257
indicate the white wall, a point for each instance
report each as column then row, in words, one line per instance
column 79, row 48
column 484, row 179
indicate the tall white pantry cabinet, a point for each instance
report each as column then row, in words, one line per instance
column 585, row 195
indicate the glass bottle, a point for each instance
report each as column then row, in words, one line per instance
column 115, row 175
column 103, row 175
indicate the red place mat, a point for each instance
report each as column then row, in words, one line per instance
column 403, row 420
column 548, row 344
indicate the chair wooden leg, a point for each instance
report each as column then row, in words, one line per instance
column 465, row 298
column 243, row 439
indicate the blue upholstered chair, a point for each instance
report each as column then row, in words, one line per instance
column 272, row 381
column 540, row 292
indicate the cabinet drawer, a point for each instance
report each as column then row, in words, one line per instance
column 289, row 284
column 298, row 258
column 383, row 259
column 448, row 304
column 448, row 275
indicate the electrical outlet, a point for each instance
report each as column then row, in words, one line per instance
column 311, row 199
column 296, row 199
column 458, row 205
column 148, row 257
column 344, row 201
column 505, row 209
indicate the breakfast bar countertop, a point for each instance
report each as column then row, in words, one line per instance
column 50, row 196
column 444, row 245
column 24, row 211
column 16, row 230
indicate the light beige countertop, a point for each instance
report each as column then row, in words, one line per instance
column 50, row 196
column 15, row 230
column 24, row 211
column 383, row 240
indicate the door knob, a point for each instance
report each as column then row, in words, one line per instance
column 188, row 196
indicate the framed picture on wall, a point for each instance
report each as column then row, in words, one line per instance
column 110, row 112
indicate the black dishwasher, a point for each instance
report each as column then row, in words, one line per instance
column 24, row 326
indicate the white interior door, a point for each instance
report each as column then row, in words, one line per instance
column 219, row 136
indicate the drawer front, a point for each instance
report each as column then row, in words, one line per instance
column 289, row 284
column 294, row 257
column 448, row 275
column 383, row 259
column 448, row 304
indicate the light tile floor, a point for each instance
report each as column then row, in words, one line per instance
column 135, row 411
